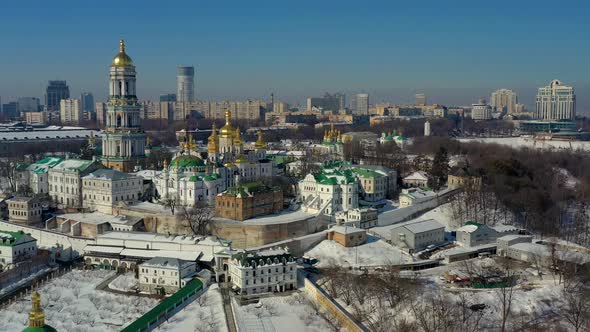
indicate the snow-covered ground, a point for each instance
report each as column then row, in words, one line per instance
column 125, row 282
column 71, row 303
column 373, row 252
column 292, row 313
column 520, row 142
column 203, row 314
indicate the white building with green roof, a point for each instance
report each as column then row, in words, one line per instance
column 35, row 175
column 329, row 191
column 16, row 246
column 65, row 181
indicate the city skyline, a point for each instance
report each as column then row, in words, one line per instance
column 454, row 61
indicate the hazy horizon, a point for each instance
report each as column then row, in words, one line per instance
column 296, row 50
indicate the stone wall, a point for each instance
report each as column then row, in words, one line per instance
column 73, row 247
column 337, row 311
column 248, row 235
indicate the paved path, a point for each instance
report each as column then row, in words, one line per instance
column 229, row 314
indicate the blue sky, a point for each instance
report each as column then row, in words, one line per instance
column 454, row 51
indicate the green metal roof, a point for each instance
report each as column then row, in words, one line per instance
column 335, row 177
column 249, row 188
column 45, row 328
column 152, row 316
column 366, row 173
column 187, row 161
column 9, row 239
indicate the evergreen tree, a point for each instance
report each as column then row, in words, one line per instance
column 440, row 168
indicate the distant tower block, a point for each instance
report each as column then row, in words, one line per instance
column 427, row 128
column 185, row 83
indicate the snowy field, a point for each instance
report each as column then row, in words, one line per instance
column 205, row 314
column 373, row 252
column 293, row 313
column 72, row 304
column 521, row 142
column 125, row 282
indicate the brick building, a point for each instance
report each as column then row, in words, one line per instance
column 248, row 200
column 25, row 210
column 347, row 236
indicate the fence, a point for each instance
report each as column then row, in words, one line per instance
column 336, row 310
column 25, row 289
column 164, row 309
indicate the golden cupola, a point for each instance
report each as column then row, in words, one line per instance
column 227, row 131
column 260, row 143
column 37, row 317
column 238, row 137
column 122, row 59
column 213, row 141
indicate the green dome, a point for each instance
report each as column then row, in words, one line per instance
column 187, row 161
column 388, row 138
column 45, row 328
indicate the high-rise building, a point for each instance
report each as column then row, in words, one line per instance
column 280, row 107
column 87, row 102
column 124, row 142
column 504, row 100
column 101, row 113
column 168, row 97
column 556, row 102
column 360, row 104
column 519, row 108
column 185, row 84
column 481, row 110
column 420, row 99
column 10, row 110
column 55, row 92
column 328, row 102
column 27, row 104
column 70, row 112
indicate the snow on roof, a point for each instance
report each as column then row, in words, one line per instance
column 421, row 226
column 505, row 228
column 150, row 237
column 108, row 174
column 166, row 262
column 543, row 250
column 103, row 249
column 98, row 218
column 467, row 229
column 417, row 176
column 145, row 253
column 424, row 226
column 417, row 193
column 73, row 164
column 40, row 135
column 510, row 237
column 346, row 230
column 464, row 250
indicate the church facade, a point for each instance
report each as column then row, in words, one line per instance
column 192, row 180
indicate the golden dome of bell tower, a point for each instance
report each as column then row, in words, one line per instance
column 122, row 59
column 37, row 317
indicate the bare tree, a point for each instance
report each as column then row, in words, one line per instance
column 504, row 297
column 198, row 218
column 170, row 203
column 576, row 310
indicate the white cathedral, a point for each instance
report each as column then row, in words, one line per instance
column 191, row 180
